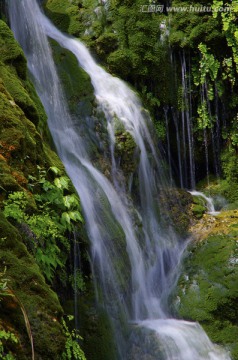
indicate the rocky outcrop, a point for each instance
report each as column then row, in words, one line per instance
column 207, row 290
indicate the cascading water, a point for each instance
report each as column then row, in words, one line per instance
column 208, row 202
column 133, row 259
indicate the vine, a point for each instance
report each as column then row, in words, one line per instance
column 229, row 25
column 205, row 76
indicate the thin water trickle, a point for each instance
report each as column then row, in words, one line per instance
column 187, row 119
column 133, row 261
column 183, row 117
column 178, row 142
column 208, row 202
column 168, row 145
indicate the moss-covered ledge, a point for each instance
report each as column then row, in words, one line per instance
column 39, row 301
column 207, row 290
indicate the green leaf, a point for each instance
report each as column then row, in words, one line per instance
column 71, row 201
column 67, row 201
column 57, row 183
column 55, row 170
column 65, row 217
column 75, row 215
column 62, row 182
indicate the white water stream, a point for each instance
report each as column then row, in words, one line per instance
column 208, row 200
column 134, row 265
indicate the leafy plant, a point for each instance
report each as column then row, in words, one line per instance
column 204, row 120
column 6, row 336
column 208, row 64
column 73, row 350
column 49, row 214
column 229, row 26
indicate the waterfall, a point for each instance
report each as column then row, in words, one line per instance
column 134, row 259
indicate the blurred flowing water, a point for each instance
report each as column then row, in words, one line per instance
column 134, row 258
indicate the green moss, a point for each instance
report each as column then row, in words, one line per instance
column 125, row 148
column 221, row 188
column 208, row 290
column 11, row 53
column 20, row 144
column 15, row 87
column 39, row 301
column 198, row 210
column 65, row 15
column 13, row 72
column 198, row 206
column 76, row 82
column 175, row 205
column 106, row 43
column 96, row 330
column 21, row 147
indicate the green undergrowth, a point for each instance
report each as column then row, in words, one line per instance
column 73, row 350
column 45, row 216
column 224, row 190
column 207, row 291
column 41, row 303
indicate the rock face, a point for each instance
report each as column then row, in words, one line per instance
column 22, row 152
column 207, row 291
column 144, row 345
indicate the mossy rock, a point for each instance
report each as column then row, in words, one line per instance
column 76, row 82
column 208, row 288
column 198, row 210
column 13, row 74
column 175, row 207
column 11, row 52
column 31, row 292
column 125, row 151
column 95, row 328
column 223, row 191
column 144, row 344
column 227, row 185
column 21, row 146
column 65, row 15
